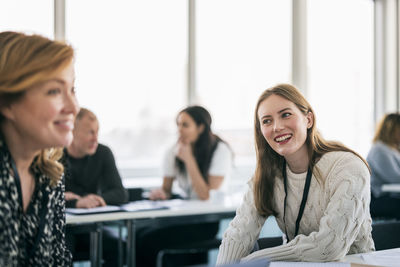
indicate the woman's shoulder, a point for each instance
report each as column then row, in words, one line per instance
column 382, row 148
column 170, row 149
column 338, row 156
column 223, row 147
column 222, row 154
column 341, row 161
column 169, row 153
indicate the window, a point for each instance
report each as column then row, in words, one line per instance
column 18, row 15
column 340, row 82
column 131, row 66
column 131, row 71
column 243, row 48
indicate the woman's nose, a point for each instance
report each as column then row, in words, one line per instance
column 277, row 125
column 71, row 104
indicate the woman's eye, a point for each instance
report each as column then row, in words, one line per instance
column 73, row 90
column 266, row 121
column 285, row 115
column 53, row 91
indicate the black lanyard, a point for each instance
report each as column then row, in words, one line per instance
column 303, row 201
column 42, row 213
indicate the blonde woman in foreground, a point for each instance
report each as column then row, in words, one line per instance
column 37, row 112
column 300, row 177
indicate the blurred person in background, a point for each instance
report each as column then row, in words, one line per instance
column 384, row 160
column 92, row 180
column 200, row 162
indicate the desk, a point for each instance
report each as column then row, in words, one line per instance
column 188, row 211
column 392, row 188
column 373, row 259
column 376, row 258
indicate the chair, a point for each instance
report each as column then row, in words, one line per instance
column 95, row 233
column 386, row 234
column 94, row 255
column 189, row 248
column 135, row 194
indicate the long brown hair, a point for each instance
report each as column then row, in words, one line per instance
column 269, row 163
column 206, row 143
column 386, row 130
column 25, row 61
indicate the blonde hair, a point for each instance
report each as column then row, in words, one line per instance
column 386, row 130
column 25, row 61
column 270, row 163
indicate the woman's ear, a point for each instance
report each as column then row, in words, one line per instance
column 200, row 128
column 310, row 119
column 6, row 112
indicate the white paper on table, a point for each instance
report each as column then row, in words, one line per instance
column 388, row 259
column 309, row 264
column 143, row 205
column 391, row 188
column 173, row 203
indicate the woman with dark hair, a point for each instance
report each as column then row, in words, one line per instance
column 384, row 160
column 200, row 162
column 318, row 190
column 37, row 111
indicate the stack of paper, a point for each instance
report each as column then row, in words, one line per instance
column 383, row 258
column 308, row 264
column 143, row 205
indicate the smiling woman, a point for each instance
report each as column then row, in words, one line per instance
column 284, row 127
column 44, row 116
column 37, row 112
column 318, row 190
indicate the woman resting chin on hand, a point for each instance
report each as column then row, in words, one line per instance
column 199, row 161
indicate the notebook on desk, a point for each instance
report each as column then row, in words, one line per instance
column 266, row 263
column 309, row 264
column 105, row 209
column 144, row 205
column 319, row 264
column 255, row 263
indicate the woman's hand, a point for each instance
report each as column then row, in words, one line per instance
column 71, row 196
column 184, row 151
column 90, row 201
column 158, row 194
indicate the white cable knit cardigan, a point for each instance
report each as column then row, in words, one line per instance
column 336, row 219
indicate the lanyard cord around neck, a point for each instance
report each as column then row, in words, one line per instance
column 303, row 201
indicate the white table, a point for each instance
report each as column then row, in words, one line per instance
column 392, row 188
column 192, row 210
column 376, row 258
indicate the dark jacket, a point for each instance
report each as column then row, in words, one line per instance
column 95, row 174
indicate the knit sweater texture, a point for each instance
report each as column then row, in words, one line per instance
column 336, row 219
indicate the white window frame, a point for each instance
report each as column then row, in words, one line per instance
column 386, row 40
